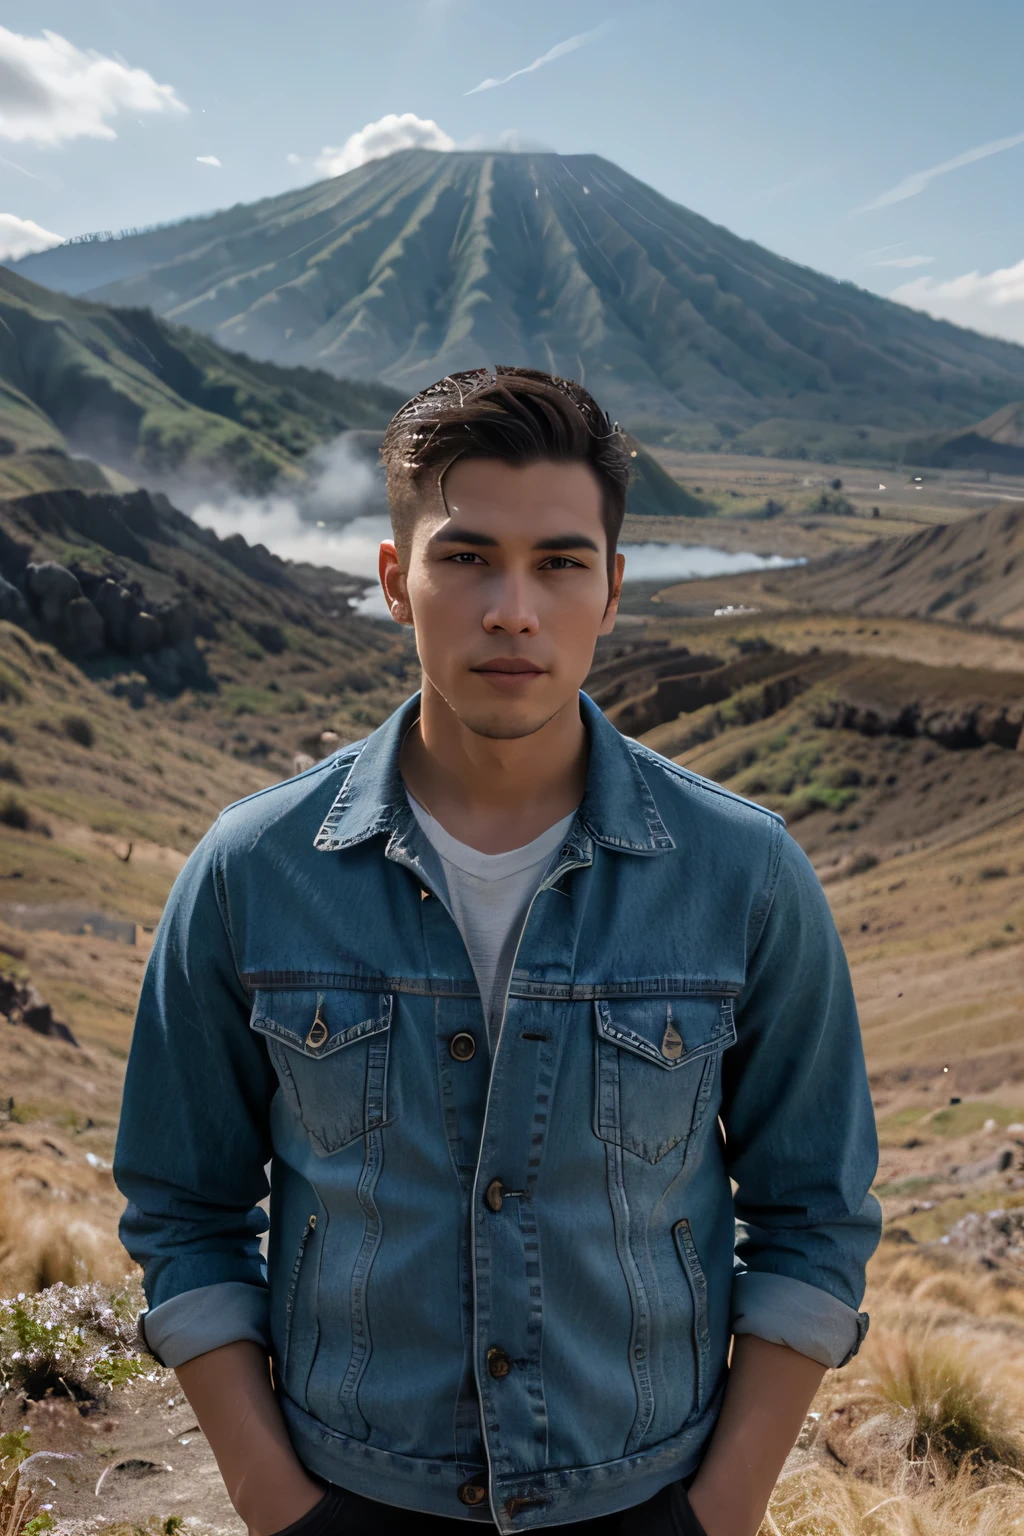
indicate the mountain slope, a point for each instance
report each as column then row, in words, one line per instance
column 412, row 266
column 997, row 443
column 153, row 399
column 170, row 407
column 971, row 571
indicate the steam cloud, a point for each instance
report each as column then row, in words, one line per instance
column 337, row 519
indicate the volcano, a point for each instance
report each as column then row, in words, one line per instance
column 425, row 262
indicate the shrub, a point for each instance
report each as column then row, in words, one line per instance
column 78, row 729
column 942, row 1406
column 75, row 1339
column 14, row 814
column 10, row 771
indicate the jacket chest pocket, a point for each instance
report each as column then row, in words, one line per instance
column 656, row 1068
column 330, row 1052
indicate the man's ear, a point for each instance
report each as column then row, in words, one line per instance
column 393, row 581
column 615, row 592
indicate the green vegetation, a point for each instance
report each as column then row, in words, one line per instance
column 165, row 400
column 14, row 1448
column 77, row 1337
column 797, row 770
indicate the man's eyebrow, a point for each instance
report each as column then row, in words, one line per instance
column 568, row 541
column 448, row 534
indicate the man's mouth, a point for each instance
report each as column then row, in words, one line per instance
column 508, row 666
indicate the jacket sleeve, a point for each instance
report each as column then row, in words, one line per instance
column 799, row 1125
column 194, row 1133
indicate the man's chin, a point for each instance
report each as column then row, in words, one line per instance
column 505, row 724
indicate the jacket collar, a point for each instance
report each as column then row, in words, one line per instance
column 618, row 809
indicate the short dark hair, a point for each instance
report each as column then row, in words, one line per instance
column 517, row 415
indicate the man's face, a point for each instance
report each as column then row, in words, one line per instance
column 507, row 588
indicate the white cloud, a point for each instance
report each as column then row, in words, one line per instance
column 992, row 302
column 390, row 133
column 51, row 91
column 20, row 237
column 905, row 261
column 294, row 159
column 570, row 45
column 910, row 186
column 207, row 159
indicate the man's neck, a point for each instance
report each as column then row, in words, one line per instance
column 494, row 793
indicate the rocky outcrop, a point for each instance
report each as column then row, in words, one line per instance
column 956, row 726
column 87, row 613
column 51, row 587
column 13, row 606
column 84, row 627
column 20, row 1003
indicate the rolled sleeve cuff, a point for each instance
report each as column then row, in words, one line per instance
column 800, row 1316
column 205, row 1318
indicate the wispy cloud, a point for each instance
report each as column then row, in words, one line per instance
column 880, row 250
column 905, row 261
column 208, row 160
column 992, row 302
column 910, row 186
column 16, row 167
column 559, row 51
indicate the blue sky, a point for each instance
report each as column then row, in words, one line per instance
column 882, row 141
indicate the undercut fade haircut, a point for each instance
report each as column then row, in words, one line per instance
column 517, row 415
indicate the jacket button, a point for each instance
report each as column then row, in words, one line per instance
column 498, row 1364
column 472, row 1493
column 462, row 1047
column 493, row 1194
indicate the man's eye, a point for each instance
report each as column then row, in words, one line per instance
column 466, row 557
column 559, row 563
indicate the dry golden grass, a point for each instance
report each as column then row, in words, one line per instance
column 58, row 1219
column 815, row 1502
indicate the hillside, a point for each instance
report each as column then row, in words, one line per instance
column 142, row 600
column 424, row 262
column 995, row 444
column 966, row 573
column 971, row 572
column 82, row 384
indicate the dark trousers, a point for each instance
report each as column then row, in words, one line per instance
column 347, row 1514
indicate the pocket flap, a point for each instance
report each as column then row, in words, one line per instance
column 320, row 1022
column 669, row 1031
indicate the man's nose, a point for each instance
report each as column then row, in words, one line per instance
column 510, row 609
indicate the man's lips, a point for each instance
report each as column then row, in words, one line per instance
column 509, row 666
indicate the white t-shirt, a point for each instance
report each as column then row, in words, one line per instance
column 490, row 894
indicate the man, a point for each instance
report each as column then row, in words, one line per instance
column 506, row 1000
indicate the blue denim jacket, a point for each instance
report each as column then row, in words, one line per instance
column 499, row 1289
